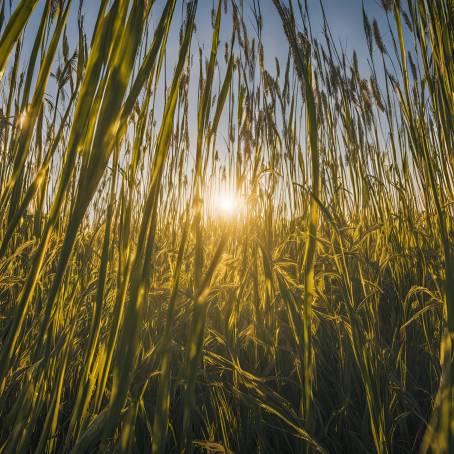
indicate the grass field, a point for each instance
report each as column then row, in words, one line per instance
column 272, row 274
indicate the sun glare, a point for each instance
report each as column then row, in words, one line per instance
column 23, row 120
column 227, row 204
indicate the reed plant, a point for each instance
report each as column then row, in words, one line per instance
column 137, row 313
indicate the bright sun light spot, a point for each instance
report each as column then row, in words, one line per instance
column 227, row 204
column 23, row 120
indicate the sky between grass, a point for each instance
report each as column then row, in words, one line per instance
column 344, row 18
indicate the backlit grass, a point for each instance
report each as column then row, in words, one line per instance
column 273, row 275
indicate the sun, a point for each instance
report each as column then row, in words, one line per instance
column 227, row 204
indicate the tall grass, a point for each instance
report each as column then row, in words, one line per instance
column 134, row 317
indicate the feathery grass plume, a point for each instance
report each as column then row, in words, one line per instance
column 378, row 38
column 367, row 31
column 376, row 93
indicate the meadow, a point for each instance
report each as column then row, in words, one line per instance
column 215, row 254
